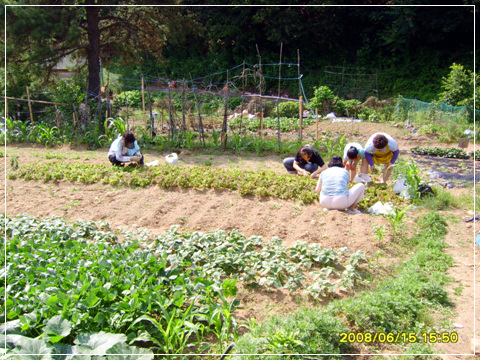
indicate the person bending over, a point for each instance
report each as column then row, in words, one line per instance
column 381, row 148
column 307, row 162
column 332, row 186
column 352, row 155
column 125, row 149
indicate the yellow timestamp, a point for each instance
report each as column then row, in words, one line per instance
column 401, row 337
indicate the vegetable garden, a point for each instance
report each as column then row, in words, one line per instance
column 191, row 289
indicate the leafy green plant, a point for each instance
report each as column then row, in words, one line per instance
column 440, row 152
column 132, row 98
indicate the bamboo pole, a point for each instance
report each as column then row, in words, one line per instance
column 74, row 124
column 261, row 124
column 300, row 103
column 143, row 102
column 56, row 117
column 29, row 106
column 188, row 119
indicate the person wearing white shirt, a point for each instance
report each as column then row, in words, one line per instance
column 124, row 150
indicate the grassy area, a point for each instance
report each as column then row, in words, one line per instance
column 399, row 307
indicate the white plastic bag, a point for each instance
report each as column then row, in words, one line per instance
column 331, row 116
column 152, row 163
column 382, row 209
column 172, row 159
column 363, row 178
column 399, row 186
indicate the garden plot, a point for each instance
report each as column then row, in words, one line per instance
column 156, row 209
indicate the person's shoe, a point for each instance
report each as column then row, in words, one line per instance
column 353, row 212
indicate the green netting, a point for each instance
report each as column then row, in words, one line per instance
column 419, row 112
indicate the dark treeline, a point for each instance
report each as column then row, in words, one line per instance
column 411, row 47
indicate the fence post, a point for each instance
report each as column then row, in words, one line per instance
column 143, row 102
column 56, row 117
column 300, row 101
column 75, row 124
column 261, row 123
column 316, row 122
column 224, row 126
column 29, row 106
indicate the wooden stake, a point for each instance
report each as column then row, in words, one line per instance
column 261, row 124
column 29, row 106
column 300, row 101
column 316, row 121
column 56, row 117
column 6, row 109
column 188, row 118
column 143, row 102
column 75, row 124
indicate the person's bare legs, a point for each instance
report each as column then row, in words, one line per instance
column 387, row 171
column 352, row 169
column 364, row 167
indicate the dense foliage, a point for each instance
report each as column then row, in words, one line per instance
column 70, row 294
column 411, row 47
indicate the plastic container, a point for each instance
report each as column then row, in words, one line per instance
column 172, row 159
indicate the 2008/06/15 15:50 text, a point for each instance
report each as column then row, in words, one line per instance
column 404, row 337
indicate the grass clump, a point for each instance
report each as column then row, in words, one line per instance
column 402, row 303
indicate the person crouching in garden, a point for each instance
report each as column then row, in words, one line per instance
column 352, row 154
column 332, row 186
column 307, row 162
column 125, row 149
column 380, row 148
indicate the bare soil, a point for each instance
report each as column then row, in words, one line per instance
column 157, row 209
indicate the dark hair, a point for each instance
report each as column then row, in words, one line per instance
column 306, row 150
column 380, row 141
column 352, row 153
column 128, row 137
column 336, row 161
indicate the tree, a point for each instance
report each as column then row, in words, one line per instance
column 458, row 87
column 99, row 31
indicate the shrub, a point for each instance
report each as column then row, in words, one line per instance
column 131, row 98
column 289, row 109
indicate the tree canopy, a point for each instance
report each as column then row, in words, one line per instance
column 40, row 36
column 411, row 46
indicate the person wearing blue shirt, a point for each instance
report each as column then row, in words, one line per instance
column 124, row 150
column 352, row 154
column 333, row 188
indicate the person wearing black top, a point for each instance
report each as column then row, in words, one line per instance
column 307, row 162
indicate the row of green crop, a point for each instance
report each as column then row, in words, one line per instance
column 50, row 135
column 259, row 183
column 283, row 123
column 66, row 285
column 401, row 306
column 445, row 153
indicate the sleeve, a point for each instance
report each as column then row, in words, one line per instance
column 318, row 159
column 392, row 144
column 369, row 158
column 320, row 179
column 395, row 156
column 369, row 148
column 298, row 157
